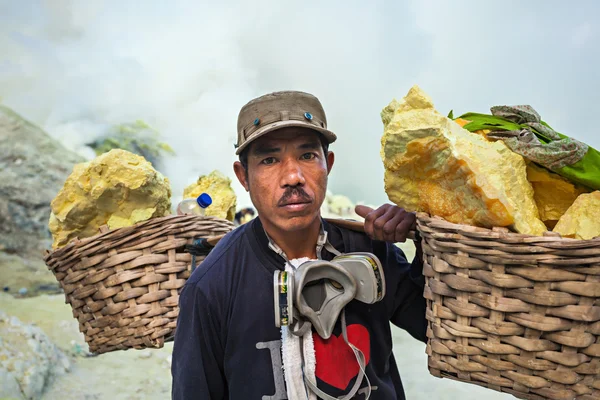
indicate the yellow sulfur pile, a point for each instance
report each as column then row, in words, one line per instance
column 434, row 165
column 117, row 188
column 218, row 186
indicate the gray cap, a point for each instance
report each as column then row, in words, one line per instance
column 279, row 110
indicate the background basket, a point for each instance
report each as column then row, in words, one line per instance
column 514, row 313
column 123, row 285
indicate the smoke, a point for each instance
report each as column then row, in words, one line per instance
column 187, row 67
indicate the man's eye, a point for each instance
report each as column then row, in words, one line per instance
column 268, row 161
column 308, row 156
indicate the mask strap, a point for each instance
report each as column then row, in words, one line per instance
column 322, row 242
column 300, row 327
column 360, row 358
column 275, row 248
column 329, row 247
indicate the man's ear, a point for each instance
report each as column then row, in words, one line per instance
column 241, row 174
column 330, row 161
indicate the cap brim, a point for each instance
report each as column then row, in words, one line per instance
column 329, row 136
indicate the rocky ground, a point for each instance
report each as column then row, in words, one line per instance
column 55, row 364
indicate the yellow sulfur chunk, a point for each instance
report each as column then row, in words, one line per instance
column 582, row 219
column 117, row 188
column 434, row 165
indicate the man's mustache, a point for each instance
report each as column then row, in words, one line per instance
column 295, row 191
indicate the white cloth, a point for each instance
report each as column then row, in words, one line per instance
column 291, row 354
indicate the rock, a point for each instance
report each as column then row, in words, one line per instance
column 434, row 165
column 29, row 356
column 117, row 189
column 9, row 387
column 218, row 186
column 33, row 166
column 581, row 219
column 553, row 194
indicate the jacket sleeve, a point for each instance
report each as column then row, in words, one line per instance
column 409, row 305
column 197, row 360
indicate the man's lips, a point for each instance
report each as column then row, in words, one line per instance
column 294, row 203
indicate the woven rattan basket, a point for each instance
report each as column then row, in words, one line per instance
column 514, row 313
column 123, row 284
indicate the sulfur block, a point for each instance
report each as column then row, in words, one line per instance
column 582, row 219
column 117, row 188
column 434, row 165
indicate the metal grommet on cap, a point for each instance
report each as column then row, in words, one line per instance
column 257, row 121
column 308, row 116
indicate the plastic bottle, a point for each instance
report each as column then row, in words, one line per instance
column 194, row 206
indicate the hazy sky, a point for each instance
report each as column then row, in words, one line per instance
column 186, row 67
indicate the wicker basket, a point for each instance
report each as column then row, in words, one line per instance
column 123, row 285
column 514, row 313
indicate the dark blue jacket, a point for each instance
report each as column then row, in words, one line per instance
column 228, row 347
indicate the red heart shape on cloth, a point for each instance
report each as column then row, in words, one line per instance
column 336, row 362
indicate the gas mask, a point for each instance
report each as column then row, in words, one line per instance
column 316, row 292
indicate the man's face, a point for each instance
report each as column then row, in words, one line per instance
column 287, row 177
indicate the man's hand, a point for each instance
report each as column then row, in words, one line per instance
column 387, row 223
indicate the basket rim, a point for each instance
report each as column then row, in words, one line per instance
column 424, row 218
column 104, row 231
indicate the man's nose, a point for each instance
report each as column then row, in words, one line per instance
column 292, row 174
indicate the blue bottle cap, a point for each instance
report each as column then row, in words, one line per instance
column 204, row 200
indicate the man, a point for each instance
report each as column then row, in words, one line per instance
column 227, row 345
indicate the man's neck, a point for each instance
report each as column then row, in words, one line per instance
column 296, row 244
